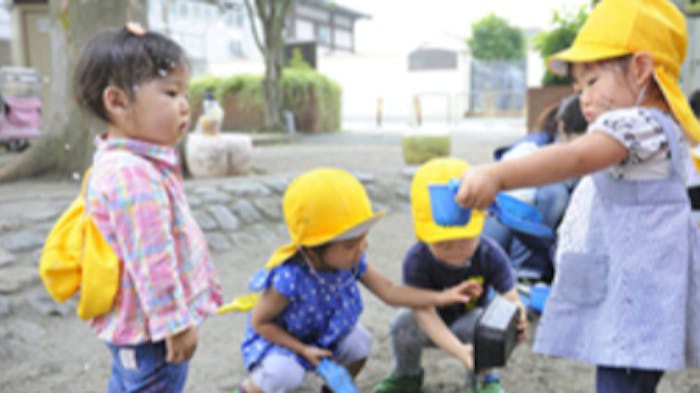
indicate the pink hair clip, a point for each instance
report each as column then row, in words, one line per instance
column 135, row 28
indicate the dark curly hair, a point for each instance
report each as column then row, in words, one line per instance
column 125, row 60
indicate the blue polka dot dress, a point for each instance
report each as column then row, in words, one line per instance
column 323, row 308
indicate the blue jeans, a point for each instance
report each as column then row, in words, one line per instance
column 626, row 380
column 142, row 368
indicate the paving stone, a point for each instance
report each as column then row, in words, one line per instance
column 42, row 214
column 215, row 197
column 409, row 171
column 243, row 238
column 277, row 184
column 227, row 220
column 403, row 193
column 16, row 278
column 364, row 177
column 263, row 233
column 246, row 211
column 218, row 242
column 204, row 219
column 9, row 224
column 6, row 257
column 194, row 201
column 25, row 331
column 203, row 189
column 270, row 207
column 246, row 189
column 45, row 305
column 5, row 307
column 24, row 240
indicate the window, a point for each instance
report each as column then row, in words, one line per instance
column 323, row 34
column 304, row 30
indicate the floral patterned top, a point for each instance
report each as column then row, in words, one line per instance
column 323, row 308
column 637, row 129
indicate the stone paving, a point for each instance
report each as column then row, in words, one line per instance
column 230, row 211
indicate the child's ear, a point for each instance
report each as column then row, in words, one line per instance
column 642, row 67
column 115, row 101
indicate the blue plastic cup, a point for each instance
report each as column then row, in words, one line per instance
column 446, row 211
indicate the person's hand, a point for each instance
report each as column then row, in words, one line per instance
column 180, row 347
column 522, row 322
column 477, row 189
column 460, row 293
column 314, row 355
column 466, row 356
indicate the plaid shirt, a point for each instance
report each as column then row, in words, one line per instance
column 167, row 279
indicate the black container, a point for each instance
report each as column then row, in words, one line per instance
column 496, row 334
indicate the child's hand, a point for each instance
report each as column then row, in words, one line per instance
column 460, row 293
column 314, row 355
column 466, row 356
column 477, row 189
column 522, row 322
column 181, row 347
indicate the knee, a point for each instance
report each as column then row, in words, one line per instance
column 279, row 375
column 404, row 328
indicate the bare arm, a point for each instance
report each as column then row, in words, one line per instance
column 512, row 295
column 434, row 327
column 404, row 295
column 270, row 305
column 589, row 153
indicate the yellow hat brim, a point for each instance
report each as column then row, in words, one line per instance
column 430, row 232
column 559, row 62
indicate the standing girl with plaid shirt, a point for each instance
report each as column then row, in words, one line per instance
column 137, row 83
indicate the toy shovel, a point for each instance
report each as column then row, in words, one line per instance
column 512, row 212
column 336, row 377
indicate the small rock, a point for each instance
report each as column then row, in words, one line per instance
column 227, row 220
column 364, row 177
column 5, row 307
column 278, row 185
column 243, row 238
column 6, row 257
column 204, row 219
column 45, row 305
column 218, row 242
column 270, row 208
column 215, row 197
column 246, row 189
column 22, row 241
column 246, row 211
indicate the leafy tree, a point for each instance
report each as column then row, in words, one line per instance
column 271, row 15
column 66, row 144
column 494, row 39
column 561, row 36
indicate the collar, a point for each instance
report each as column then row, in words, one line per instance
column 164, row 154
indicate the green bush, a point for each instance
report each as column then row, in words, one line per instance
column 302, row 88
column 560, row 37
column 417, row 149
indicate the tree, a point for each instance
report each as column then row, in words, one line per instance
column 494, row 39
column 66, row 144
column 271, row 15
column 561, row 36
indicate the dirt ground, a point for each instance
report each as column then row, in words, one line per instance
column 61, row 354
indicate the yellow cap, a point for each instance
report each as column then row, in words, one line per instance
column 620, row 27
column 439, row 171
column 322, row 206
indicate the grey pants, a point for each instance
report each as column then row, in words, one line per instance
column 408, row 340
column 278, row 373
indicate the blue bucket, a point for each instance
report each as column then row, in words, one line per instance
column 446, row 211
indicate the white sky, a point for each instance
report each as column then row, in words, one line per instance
column 402, row 25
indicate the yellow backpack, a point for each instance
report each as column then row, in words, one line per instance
column 77, row 257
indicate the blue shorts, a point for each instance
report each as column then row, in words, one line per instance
column 142, row 368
